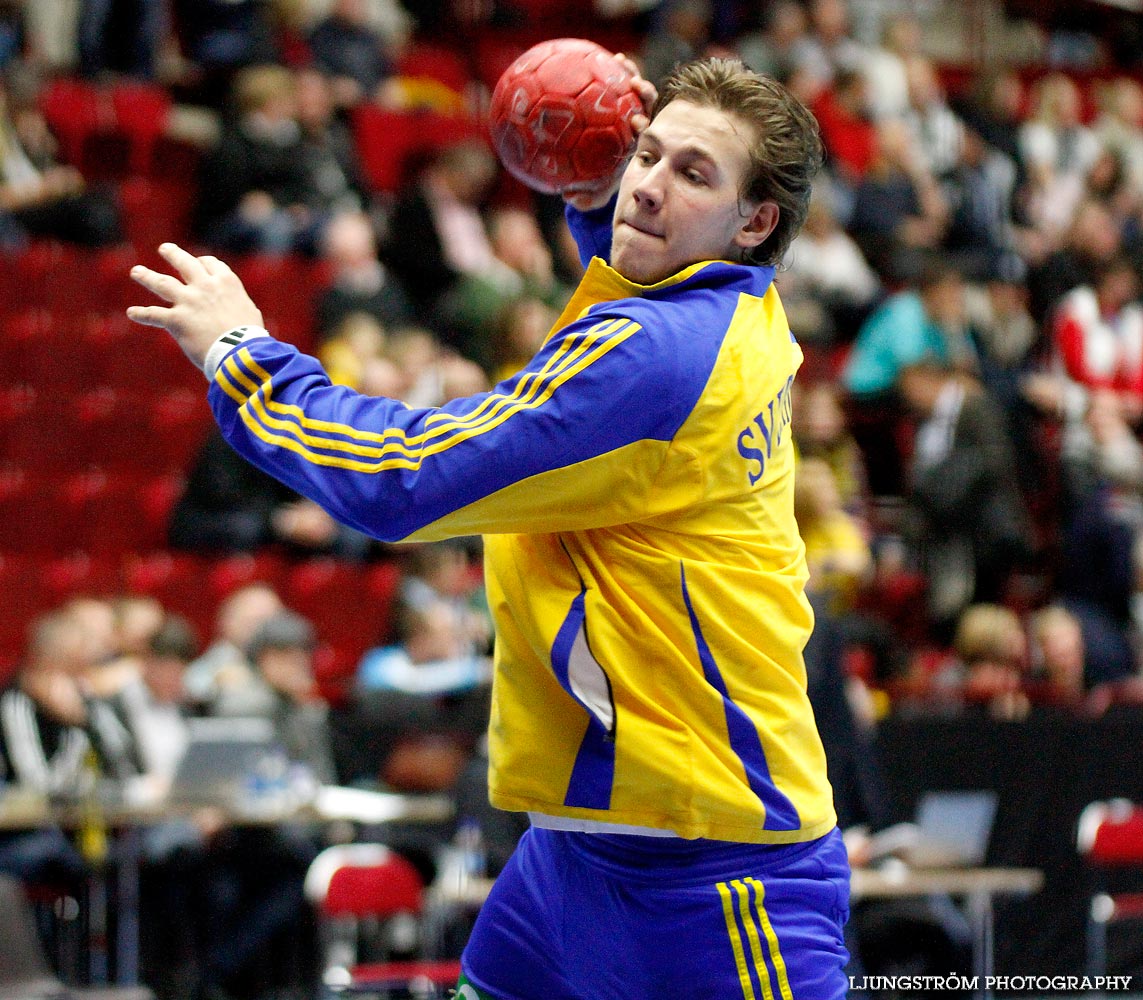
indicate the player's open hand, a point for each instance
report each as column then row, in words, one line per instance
column 206, row 300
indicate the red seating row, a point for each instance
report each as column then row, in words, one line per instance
column 78, row 111
column 61, row 355
column 50, row 433
column 349, row 604
column 90, row 510
column 54, row 288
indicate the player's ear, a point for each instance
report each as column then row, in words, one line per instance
column 759, row 224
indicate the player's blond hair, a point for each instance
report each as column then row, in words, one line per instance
column 787, row 152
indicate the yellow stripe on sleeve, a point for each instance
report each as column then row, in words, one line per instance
column 401, row 454
column 736, row 942
column 533, row 389
column 771, row 939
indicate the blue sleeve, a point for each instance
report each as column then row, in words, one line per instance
column 545, row 450
column 591, row 231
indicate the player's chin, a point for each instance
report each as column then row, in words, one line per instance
column 636, row 265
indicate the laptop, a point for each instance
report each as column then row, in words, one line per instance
column 949, row 830
column 222, row 758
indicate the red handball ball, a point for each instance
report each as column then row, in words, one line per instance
column 561, row 116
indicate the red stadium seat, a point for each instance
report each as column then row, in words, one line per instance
column 434, row 62
column 37, row 349
column 230, row 572
column 350, row 884
column 142, row 113
column 175, row 580
column 75, row 109
column 143, row 432
column 1110, row 836
column 42, row 432
column 390, row 143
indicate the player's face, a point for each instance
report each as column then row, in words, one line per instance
column 679, row 196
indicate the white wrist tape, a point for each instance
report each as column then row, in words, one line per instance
column 225, row 344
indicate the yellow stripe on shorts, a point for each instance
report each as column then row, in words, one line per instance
column 736, row 941
column 771, row 939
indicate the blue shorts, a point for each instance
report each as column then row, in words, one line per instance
column 579, row 916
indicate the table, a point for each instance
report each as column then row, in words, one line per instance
column 977, row 886
column 125, row 823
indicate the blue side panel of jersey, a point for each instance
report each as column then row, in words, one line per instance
column 593, row 773
column 743, row 735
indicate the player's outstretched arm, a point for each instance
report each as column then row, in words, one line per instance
column 205, row 301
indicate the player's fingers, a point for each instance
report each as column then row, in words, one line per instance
column 187, row 264
column 150, row 315
column 639, row 122
column 163, row 285
column 213, row 265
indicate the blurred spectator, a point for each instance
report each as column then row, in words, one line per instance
column 972, row 529
column 155, row 705
column 351, row 347
column 359, row 282
column 907, row 327
column 526, row 324
column 153, row 708
column 38, row 196
column 979, row 190
column 1056, row 151
column 254, row 875
column 898, row 210
column 328, row 147
column 432, row 654
column 281, row 650
column 264, row 187
column 120, row 631
column 1097, row 336
column 1102, row 465
column 436, row 231
column 1092, row 240
column 1058, row 655
column 829, row 46
column 937, row 131
column 837, row 553
column 12, row 31
column 123, row 36
column 820, row 431
column 827, row 287
column 221, row 36
column 850, row 139
column 224, row 666
column 56, row 742
column 229, row 505
column 681, row 35
column 885, row 67
column 994, row 109
column 439, row 572
column 1119, row 127
column 991, row 660
column 773, row 49
column 345, row 45
column 475, row 305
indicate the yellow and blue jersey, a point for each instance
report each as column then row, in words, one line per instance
column 634, row 484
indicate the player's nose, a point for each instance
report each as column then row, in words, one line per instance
column 649, row 191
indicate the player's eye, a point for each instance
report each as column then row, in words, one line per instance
column 694, row 176
column 645, row 157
